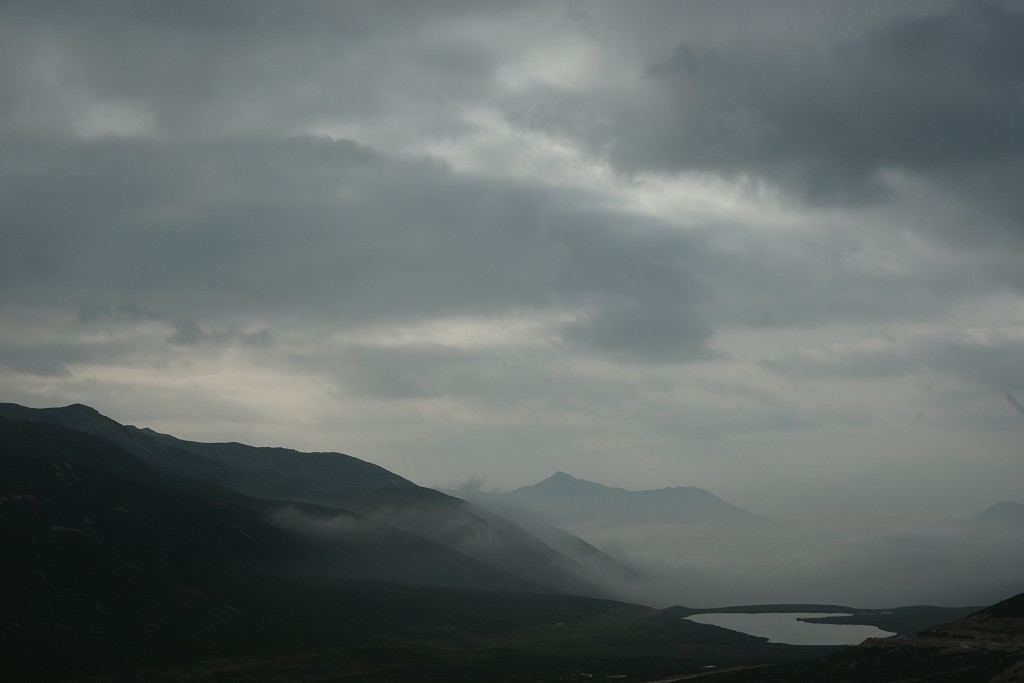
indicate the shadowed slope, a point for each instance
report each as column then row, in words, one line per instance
column 338, row 481
column 107, row 565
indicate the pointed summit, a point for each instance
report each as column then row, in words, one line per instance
column 562, row 484
column 561, row 478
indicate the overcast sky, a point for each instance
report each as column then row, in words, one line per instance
column 775, row 250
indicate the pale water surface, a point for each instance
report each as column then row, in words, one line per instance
column 784, row 628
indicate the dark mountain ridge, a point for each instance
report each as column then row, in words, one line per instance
column 263, row 471
column 108, row 564
column 58, row 480
column 344, row 483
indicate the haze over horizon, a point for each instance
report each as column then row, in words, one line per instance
column 769, row 251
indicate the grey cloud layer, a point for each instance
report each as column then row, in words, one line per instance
column 939, row 95
column 331, row 230
column 330, row 233
column 171, row 204
column 993, row 363
column 194, row 70
column 931, row 91
column 215, row 221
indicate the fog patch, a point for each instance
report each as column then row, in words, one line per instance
column 705, row 565
column 340, row 525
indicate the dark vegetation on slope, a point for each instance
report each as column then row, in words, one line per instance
column 338, row 481
column 1011, row 608
column 107, row 565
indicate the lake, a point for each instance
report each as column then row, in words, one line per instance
column 784, row 628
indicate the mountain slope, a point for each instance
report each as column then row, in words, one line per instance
column 108, row 565
column 345, row 483
column 606, row 569
column 262, row 472
column 69, row 495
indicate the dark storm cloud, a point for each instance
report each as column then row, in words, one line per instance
column 240, row 225
column 198, row 69
column 812, row 280
column 52, row 356
column 994, row 363
column 937, row 95
column 130, row 312
column 331, row 231
column 31, row 360
column 227, row 237
column 113, row 334
column 639, row 285
column 633, row 332
column 190, row 333
column 419, row 371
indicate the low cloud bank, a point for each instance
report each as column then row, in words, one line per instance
column 712, row 565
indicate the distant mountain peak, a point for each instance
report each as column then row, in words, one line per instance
column 565, row 498
column 563, row 483
column 566, row 482
column 1005, row 512
column 561, row 477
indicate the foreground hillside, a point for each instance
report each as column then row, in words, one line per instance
column 377, row 498
column 108, row 565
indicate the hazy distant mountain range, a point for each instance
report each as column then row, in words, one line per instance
column 1002, row 514
column 546, row 509
column 566, row 499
